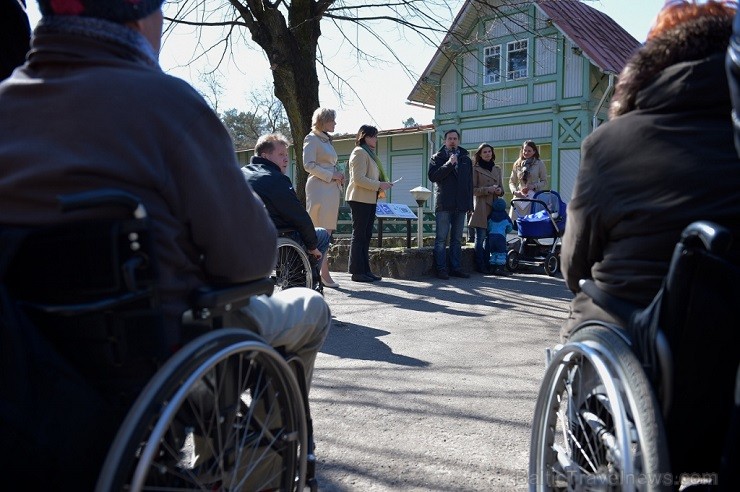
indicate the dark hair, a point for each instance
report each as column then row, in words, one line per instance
column 365, row 131
column 450, row 131
column 477, row 157
column 530, row 143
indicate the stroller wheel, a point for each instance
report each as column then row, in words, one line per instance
column 512, row 260
column 552, row 264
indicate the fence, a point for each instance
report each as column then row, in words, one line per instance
column 390, row 227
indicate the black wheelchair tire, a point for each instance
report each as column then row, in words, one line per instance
column 651, row 467
column 119, row 469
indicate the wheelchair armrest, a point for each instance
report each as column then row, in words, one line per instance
column 103, row 197
column 230, row 296
column 620, row 309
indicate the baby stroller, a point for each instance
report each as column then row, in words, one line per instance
column 539, row 232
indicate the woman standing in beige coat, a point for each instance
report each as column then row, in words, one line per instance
column 486, row 187
column 528, row 175
column 366, row 182
column 324, row 185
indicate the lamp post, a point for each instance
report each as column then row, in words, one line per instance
column 421, row 195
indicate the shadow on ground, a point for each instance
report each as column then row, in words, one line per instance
column 351, row 341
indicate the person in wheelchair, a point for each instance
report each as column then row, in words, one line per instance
column 631, row 203
column 265, row 173
column 92, row 109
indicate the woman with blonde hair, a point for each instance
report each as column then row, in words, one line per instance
column 325, row 182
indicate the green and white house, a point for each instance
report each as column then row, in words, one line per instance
column 510, row 71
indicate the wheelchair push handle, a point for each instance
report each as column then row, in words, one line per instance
column 715, row 238
column 103, row 197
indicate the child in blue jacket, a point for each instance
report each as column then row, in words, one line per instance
column 499, row 225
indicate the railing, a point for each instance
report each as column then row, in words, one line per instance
column 387, row 227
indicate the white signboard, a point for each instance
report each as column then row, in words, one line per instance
column 393, row 211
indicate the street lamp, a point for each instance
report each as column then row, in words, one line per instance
column 421, row 195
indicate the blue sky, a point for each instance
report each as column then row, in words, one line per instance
column 381, row 90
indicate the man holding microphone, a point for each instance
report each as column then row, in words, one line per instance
column 452, row 171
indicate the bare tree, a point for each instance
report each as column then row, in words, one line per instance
column 288, row 32
column 270, row 109
column 212, row 90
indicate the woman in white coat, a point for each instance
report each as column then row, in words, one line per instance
column 325, row 182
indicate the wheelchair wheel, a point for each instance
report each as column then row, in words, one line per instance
column 512, row 260
column 552, row 264
column 597, row 424
column 224, row 413
column 293, row 268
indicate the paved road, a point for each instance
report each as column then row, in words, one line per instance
column 430, row 385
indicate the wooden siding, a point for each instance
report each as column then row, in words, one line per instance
column 569, row 163
column 470, row 102
column 413, row 170
column 544, row 92
column 470, row 70
column 505, row 97
column 546, row 50
column 448, row 92
column 573, row 81
column 517, row 133
column 514, row 24
column 406, row 142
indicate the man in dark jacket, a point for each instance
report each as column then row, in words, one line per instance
column 91, row 109
column 266, row 174
column 452, row 171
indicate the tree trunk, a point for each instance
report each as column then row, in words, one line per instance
column 292, row 56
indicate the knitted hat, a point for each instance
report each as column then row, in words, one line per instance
column 499, row 204
column 112, row 10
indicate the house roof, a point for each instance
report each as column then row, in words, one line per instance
column 604, row 42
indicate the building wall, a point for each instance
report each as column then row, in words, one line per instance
column 553, row 105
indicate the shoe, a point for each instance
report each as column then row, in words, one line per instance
column 331, row 284
column 500, row 271
column 443, row 275
column 361, row 277
column 459, row 274
column 373, row 276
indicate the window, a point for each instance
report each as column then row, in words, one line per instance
column 516, row 60
column 492, row 60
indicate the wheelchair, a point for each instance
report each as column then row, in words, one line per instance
column 95, row 395
column 639, row 405
column 294, row 267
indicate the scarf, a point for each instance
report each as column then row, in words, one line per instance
column 136, row 45
column 487, row 165
column 367, row 149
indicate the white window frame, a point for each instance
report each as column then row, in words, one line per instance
column 491, row 52
column 519, row 46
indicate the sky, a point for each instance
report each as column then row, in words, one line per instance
column 378, row 91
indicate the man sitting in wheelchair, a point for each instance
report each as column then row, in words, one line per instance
column 91, row 109
column 265, row 173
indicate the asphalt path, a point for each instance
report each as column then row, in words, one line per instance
column 430, row 385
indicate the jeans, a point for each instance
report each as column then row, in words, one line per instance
column 321, row 234
column 448, row 224
column 481, row 248
column 363, row 217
